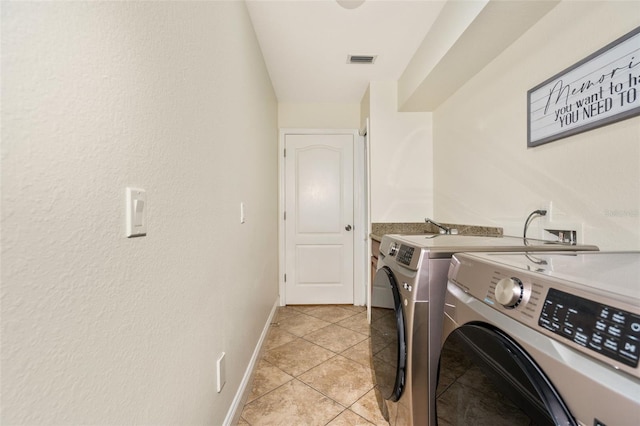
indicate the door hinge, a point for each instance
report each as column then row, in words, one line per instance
column 285, row 215
column 285, row 278
column 285, row 152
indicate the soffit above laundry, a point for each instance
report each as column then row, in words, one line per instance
column 430, row 47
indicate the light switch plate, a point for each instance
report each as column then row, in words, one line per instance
column 221, row 372
column 136, row 212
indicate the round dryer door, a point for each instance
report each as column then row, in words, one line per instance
column 388, row 344
column 485, row 377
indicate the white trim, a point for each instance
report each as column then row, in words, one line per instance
column 235, row 410
column 359, row 244
column 360, row 256
column 366, row 183
column 281, row 224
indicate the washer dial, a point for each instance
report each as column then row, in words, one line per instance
column 509, row 292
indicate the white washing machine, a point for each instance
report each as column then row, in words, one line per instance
column 407, row 310
column 541, row 339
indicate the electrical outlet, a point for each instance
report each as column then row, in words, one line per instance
column 549, row 208
column 221, row 372
column 564, row 235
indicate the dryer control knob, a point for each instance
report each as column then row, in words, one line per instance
column 393, row 249
column 509, row 292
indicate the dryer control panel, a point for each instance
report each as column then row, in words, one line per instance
column 609, row 331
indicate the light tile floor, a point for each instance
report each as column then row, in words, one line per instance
column 315, row 370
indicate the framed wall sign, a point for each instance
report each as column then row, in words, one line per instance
column 601, row 89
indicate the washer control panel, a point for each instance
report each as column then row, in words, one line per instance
column 400, row 253
column 589, row 319
column 609, row 331
column 405, row 254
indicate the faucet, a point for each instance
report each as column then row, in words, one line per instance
column 444, row 229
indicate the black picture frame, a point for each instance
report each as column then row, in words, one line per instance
column 601, row 89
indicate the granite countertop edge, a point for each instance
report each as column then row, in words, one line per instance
column 408, row 228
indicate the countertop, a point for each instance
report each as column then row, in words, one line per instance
column 380, row 229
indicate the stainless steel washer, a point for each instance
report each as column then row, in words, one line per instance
column 407, row 310
column 541, row 339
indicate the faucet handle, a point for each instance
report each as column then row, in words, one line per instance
column 443, row 229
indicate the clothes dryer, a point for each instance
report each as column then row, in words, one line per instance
column 407, row 310
column 544, row 339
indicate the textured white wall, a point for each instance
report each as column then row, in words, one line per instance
column 401, row 160
column 172, row 97
column 318, row 115
column 484, row 174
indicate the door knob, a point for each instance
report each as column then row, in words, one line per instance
column 348, row 227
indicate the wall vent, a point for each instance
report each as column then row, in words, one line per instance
column 361, row 59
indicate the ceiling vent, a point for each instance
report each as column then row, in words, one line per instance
column 361, row 59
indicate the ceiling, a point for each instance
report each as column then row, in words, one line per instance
column 429, row 47
column 306, row 44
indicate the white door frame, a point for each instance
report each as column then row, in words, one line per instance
column 361, row 233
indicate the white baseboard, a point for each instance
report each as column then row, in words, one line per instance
column 233, row 415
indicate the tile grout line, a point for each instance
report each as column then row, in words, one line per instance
column 277, row 323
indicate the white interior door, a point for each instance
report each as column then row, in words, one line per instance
column 319, row 219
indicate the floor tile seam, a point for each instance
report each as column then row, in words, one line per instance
column 352, row 347
column 353, row 314
column 329, row 320
column 366, row 336
column 297, row 312
column 331, row 350
column 321, row 393
column 293, row 342
column 313, row 343
column 368, row 367
column 294, row 307
column 263, row 359
column 313, row 331
column 346, row 349
column 275, row 347
column 291, row 377
column 271, row 391
column 297, row 315
column 360, row 399
column 346, row 359
column 344, row 326
column 342, row 412
column 347, row 310
column 355, row 402
column 346, row 407
column 351, row 329
column 311, row 368
column 305, row 311
column 338, row 415
column 356, row 361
